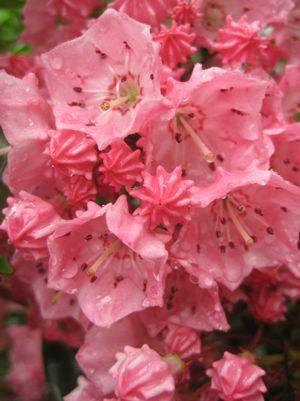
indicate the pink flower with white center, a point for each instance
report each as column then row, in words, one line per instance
column 72, row 153
column 106, row 256
column 243, row 43
column 214, row 119
column 98, row 352
column 142, row 374
column 176, row 43
column 29, row 221
column 99, row 84
column 286, row 158
column 186, row 11
column 237, row 378
column 57, row 21
column 26, row 377
column 151, row 12
column 121, row 166
column 166, row 198
column 182, row 341
column 249, row 220
column 290, row 86
column 79, row 191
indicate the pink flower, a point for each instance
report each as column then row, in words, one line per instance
column 26, row 377
column 72, row 153
column 201, row 310
column 243, row 43
column 85, row 391
column 215, row 12
column 237, row 378
column 79, row 191
column 186, row 11
column 18, row 65
column 182, row 341
column 286, row 158
column 152, row 12
column 29, row 221
column 25, row 118
column 58, row 21
column 244, row 227
column 105, row 256
column 290, row 86
column 166, row 198
column 97, row 354
column 267, row 305
column 214, row 119
column 141, row 374
column 121, row 166
column 108, row 92
column 176, row 43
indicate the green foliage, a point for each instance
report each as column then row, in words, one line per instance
column 5, row 267
column 11, row 26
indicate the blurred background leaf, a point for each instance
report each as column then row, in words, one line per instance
column 11, row 26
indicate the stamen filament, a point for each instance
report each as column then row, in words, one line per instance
column 4, row 151
column 106, row 105
column 103, row 257
column 207, row 153
column 241, row 230
column 55, row 297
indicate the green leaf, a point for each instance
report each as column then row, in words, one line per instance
column 5, row 267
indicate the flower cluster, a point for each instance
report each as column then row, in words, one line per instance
column 152, row 188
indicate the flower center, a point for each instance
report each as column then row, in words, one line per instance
column 236, row 209
column 106, row 253
column 126, row 94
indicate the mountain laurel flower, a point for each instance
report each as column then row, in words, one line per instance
column 142, row 374
column 237, row 378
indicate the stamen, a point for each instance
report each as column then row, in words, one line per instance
column 104, row 106
column 4, row 151
column 246, row 237
column 103, row 257
column 55, row 297
column 207, row 153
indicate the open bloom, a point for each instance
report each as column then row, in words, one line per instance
column 237, row 378
column 214, row 119
column 250, row 222
column 105, row 256
column 98, row 83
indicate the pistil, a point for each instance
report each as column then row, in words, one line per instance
column 107, row 105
